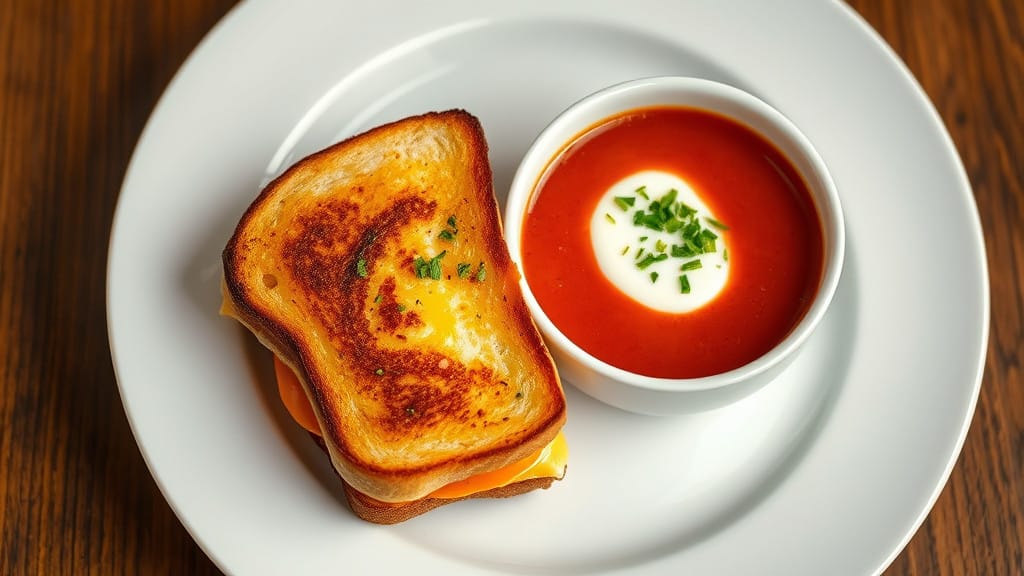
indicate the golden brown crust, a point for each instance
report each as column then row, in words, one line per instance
column 322, row 269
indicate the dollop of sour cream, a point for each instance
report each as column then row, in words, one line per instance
column 645, row 263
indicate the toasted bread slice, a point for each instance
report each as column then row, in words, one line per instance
column 377, row 271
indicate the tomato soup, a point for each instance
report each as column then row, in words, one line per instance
column 763, row 213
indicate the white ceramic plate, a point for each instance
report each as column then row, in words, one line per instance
column 828, row 470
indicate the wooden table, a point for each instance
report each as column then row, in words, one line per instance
column 77, row 82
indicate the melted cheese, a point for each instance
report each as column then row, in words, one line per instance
column 549, row 462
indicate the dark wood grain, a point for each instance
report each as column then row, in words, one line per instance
column 77, row 82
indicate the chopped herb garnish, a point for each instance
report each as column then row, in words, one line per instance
column 691, row 265
column 361, row 270
column 639, row 253
column 650, row 259
column 451, row 222
column 446, row 235
column 643, row 238
column 481, row 273
column 725, row 255
column 377, row 299
column 429, row 268
column 684, row 284
column 463, row 269
column 609, row 218
column 625, row 249
column 435, row 265
column 654, row 277
column 402, row 308
column 660, row 246
column 716, row 223
column 379, row 371
column 625, row 202
column 642, row 191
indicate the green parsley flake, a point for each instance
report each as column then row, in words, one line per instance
column 446, row 235
column 481, row 273
column 654, row 277
column 361, row 269
column 463, row 269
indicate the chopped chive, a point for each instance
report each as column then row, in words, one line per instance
column 463, row 269
column 672, row 225
column 625, row 249
column 638, row 218
column 639, row 253
column 716, row 223
column 691, row 265
column 451, row 222
column 678, row 251
column 725, row 255
column 446, row 235
column 625, row 202
column 402, row 308
column 481, row 273
column 686, row 210
column 642, row 191
column 361, row 268
column 650, row 259
column 660, row 246
column 379, row 371
column 653, row 222
column 377, row 299
column 654, row 277
column 684, row 284
column 670, row 197
column 708, row 234
column 643, row 238
column 609, row 218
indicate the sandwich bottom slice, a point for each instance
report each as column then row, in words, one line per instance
column 539, row 470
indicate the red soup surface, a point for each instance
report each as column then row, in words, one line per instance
column 774, row 240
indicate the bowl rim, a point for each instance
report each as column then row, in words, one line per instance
column 585, row 114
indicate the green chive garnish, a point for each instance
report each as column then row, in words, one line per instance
column 684, row 284
column 361, row 268
column 660, row 246
column 625, row 249
column 725, row 255
column 481, row 274
column 402, row 308
column 451, row 222
column 650, row 259
column 379, row 371
column 642, row 191
column 691, row 265
column 625, row 202
column 654, row 277
column 716, row 223
column 463, row 269
column 609, row 218
column 446, row 235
